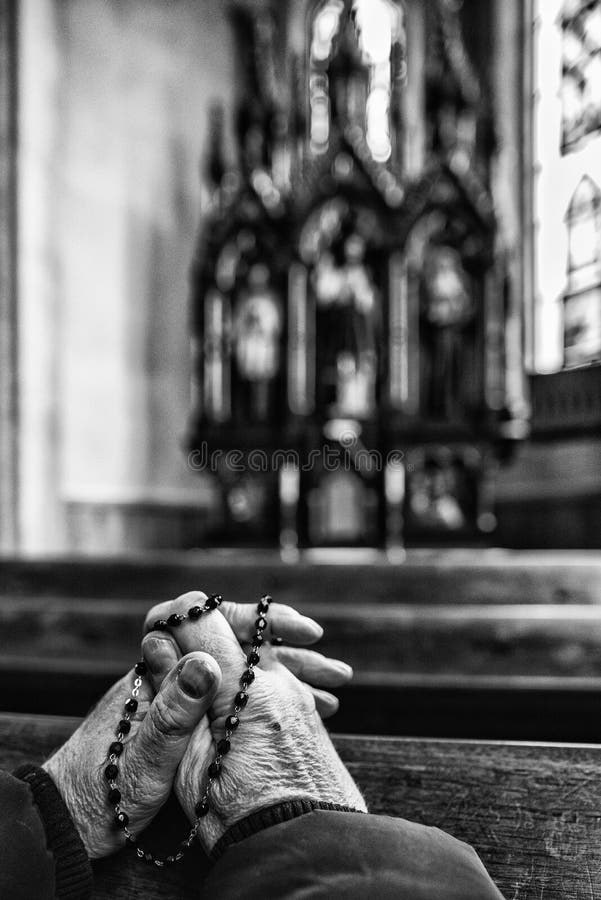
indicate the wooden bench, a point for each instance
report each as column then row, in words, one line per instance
column 492, row 645
column 435, row 671
column 533, row 812
column 472, row 576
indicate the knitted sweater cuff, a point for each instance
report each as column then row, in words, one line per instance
column 271, row 815
column 73, row 872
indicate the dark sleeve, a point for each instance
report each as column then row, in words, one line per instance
column 325, row 854
column 41, row 853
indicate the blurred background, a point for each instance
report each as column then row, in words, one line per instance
column 307, row 295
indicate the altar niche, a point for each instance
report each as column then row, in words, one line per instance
column 349, row 310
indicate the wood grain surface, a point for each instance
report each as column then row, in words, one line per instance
column 447, row 639
column 475, row 576
column 532, row 811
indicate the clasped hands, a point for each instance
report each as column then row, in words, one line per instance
column 281, row 750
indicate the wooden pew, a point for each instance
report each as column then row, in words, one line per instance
column 436, row 639
column 454, row 671
column 426, row 660
column 531, row 811
column 472, row 576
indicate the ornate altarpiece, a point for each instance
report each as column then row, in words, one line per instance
column 348, row 317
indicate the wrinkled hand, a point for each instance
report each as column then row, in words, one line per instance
column 160, row 732
column 281, row 749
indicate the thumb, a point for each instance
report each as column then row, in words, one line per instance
column 186, row 695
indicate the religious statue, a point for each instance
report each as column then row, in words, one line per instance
column 447, row 308
column 257, row 330
column 347, row 307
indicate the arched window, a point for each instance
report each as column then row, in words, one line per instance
column 581, row 71
column 356, row 60
column 582, row 301
column 567, row 157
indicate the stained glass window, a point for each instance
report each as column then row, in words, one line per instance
column 582, row 302
column 363, row 40
column 581, row 71
column 567, row 161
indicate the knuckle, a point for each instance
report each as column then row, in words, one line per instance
column 185, row 601
column 166, row 719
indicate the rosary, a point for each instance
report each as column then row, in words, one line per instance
column 223, row 746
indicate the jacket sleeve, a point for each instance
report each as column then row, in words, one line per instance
column 324, row 854
column 41, row 853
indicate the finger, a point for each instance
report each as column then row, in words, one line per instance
column 211, row 633
column 313, row 667
column 283, row 621
column 181, row 604
column 184, row 698
column 325, row 703
column 161, row 653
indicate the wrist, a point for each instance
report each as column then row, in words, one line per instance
column 270, row 816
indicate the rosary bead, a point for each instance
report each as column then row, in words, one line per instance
column 241, row 699
column 223, row 746
column 201, row 808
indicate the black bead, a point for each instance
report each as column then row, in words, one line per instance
column 131, row 705
column 160, row 625
column 261, row 623
column 195, row 612
column 148, row 857
column 214, row 770
column 253, row 658
column 124, row 727
column 175, row 619
column 111, row 772
column 114, row 796
column 140, row 668
column 116, row 748
column 169, row 860
column 247, row 677
column 201, row 808
column 213, row 601
column 263, row 605
column 258, row 640
column 232, row 722
column 223, row 746
column 122, row 819
column 241, row 699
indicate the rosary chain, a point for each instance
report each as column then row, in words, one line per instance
column 232, row 722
